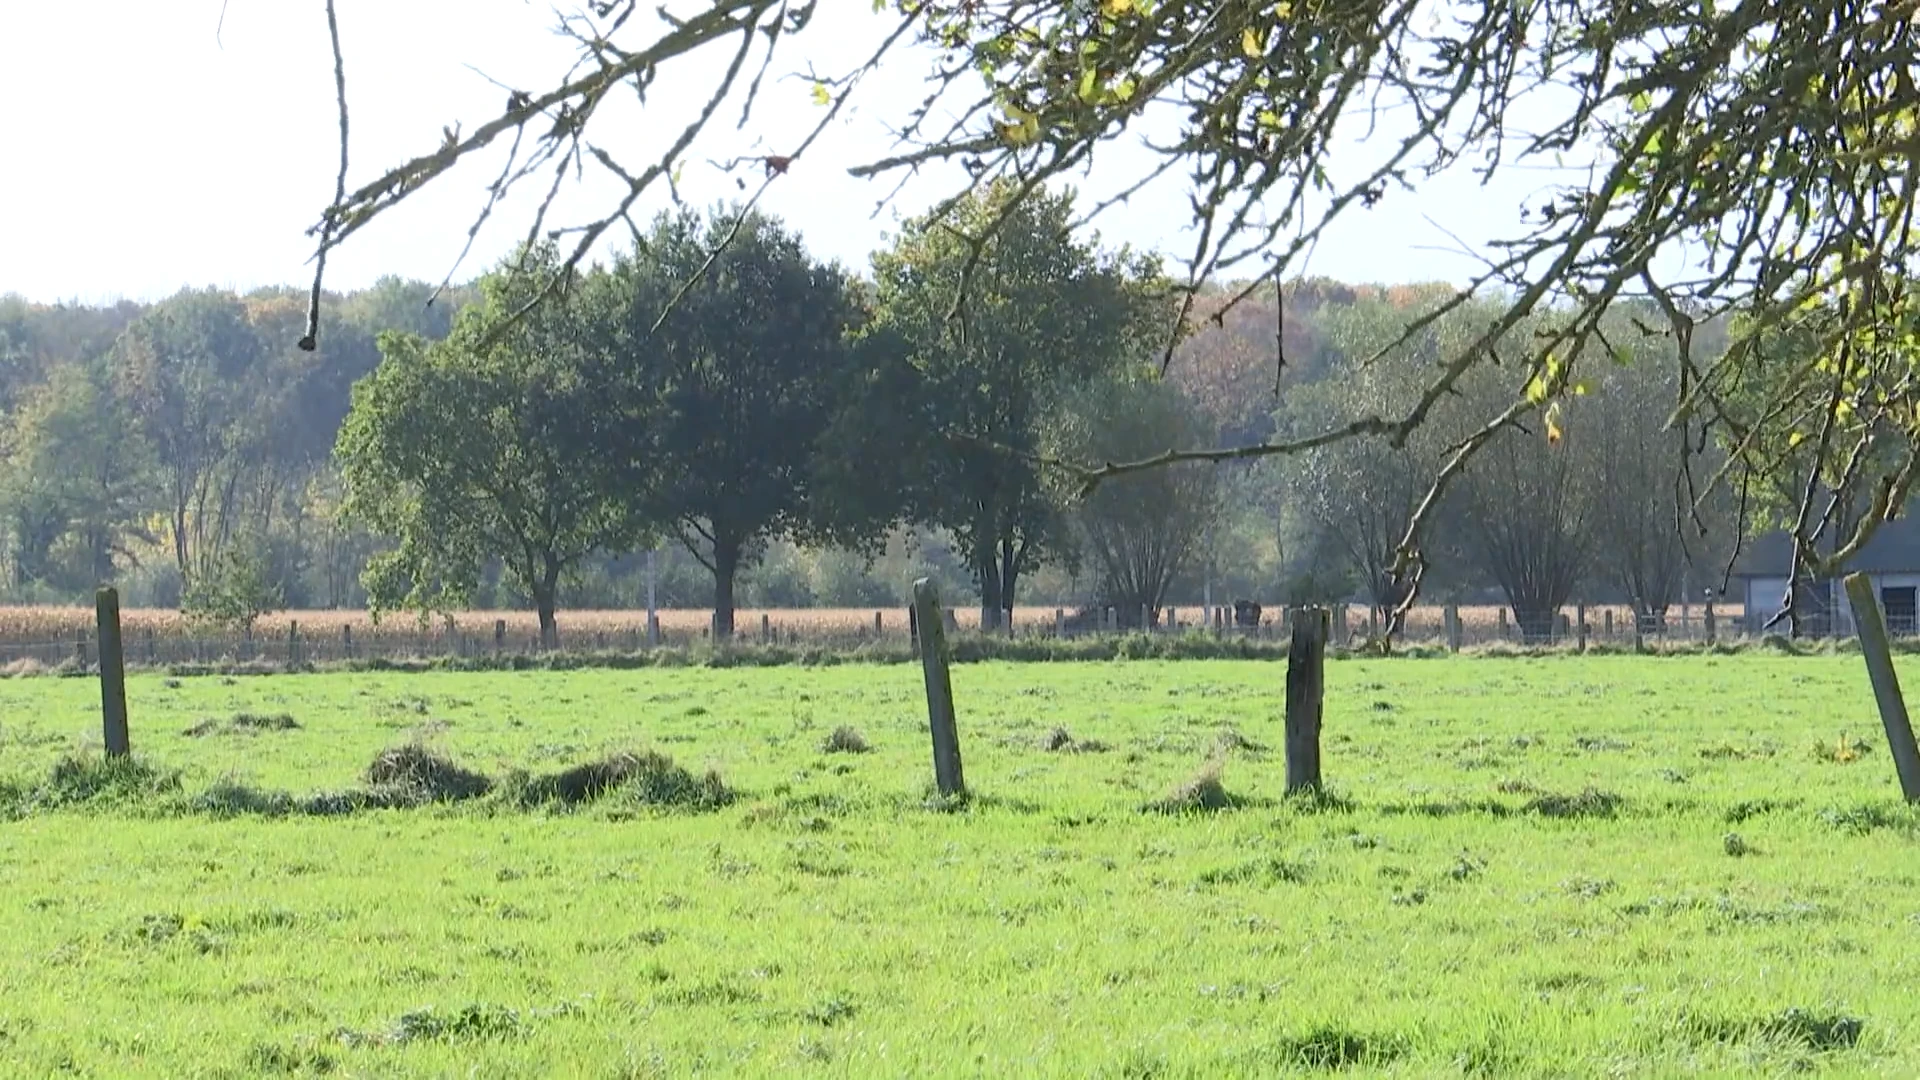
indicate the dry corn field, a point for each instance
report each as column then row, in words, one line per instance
column 52, row 635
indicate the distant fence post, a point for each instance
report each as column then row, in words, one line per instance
column 879, row 625
column 346, row 640
column 1639, row 644
column 1059, row 623
column 1708, row 620
column 1503, row 624
column 499, row 636
column 1452, row 615
column 913, row 627
column 293, row 642
column 1306, row 683
column 152, row 652
column 1340, row 631
column 1580, row 628
column 80, row 647
column 113, row 673
column 766, row 629
column 1886, row 684
column 933, row 662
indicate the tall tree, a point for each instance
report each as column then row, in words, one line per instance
column 489, row 445
column 730, row 396
column 1040, row 315
column 186, row 370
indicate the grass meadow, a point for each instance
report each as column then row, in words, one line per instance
column 1552, row 867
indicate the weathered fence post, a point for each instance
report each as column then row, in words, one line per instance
column 1503, row 624
column 1340, row 631
column 499, row 636
column 346, row 641
column 1059, row 623
column 1708, row 620
column 913, row 627
column 1306, row 681
column 879, row 625
column 152, row 652
column 1874, row 647
column 933, row 662
column 766, row 629
column 1453, row 627
column 1639, row 645
column 80, row 647
column 1580, row 627
column 113, row 673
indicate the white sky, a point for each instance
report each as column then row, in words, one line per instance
column 141, row 155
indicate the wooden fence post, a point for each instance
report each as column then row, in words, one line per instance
column 1580, row 627
column 80, row 648
column 113, row 673
column 947, row 774
column 499, row 636
column 1340, row 627
column 346, row 640
column 152, row 653
column 879, row 625
column 1886, row 684
column 1503, row 624
column 766, row 629
column 1306, row 683
column 913, row 627
column 1453, row 627
column 1059, row 623
column 1707, row 615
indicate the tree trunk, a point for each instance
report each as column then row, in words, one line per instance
column 726, row 565
column 1009, row 573
column 545, row 593
column 1535, row 622
column 987, row 565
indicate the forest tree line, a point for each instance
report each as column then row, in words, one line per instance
column 786, row 432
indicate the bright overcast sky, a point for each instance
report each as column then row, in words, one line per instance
column 144, row 154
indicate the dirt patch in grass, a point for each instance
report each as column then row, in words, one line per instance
column 420, row 773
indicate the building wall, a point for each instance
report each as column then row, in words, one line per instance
column 1764, row 593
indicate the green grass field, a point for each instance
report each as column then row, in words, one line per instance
column 1551, row 867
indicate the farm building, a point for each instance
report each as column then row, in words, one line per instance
column 1891, row 560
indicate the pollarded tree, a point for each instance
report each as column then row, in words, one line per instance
column 1143, row 531
column 1042, row 315
column 736, row 364
column 489, row 446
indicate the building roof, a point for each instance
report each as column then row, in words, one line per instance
column 1894, row 548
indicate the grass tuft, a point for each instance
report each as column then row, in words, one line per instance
column 1591, row 803
column 648, row 777
column 1200, row 793
column 415, row 772
column 1820, row 1032
column 1328, row 1048
column 846, row 740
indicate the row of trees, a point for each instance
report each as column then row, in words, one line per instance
column 718, row 386
column 818, row 436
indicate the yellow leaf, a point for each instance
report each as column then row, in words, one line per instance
column 820, row 95
column 1250, row 42
column 1116, row 8
column 1283, row 9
